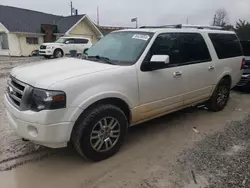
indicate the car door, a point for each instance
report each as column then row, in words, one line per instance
column 69, row 45
column 198, row 69
column 81, row 44
column 161, row 90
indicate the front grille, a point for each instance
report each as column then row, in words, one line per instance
column 42, row 47
column 15, row 92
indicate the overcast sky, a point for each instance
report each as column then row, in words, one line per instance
column 149, row 12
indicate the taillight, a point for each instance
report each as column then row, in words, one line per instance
column 243, row 64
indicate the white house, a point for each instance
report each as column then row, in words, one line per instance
column 22, row 31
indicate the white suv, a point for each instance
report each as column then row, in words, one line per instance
column 126, row 78
column 63, row 46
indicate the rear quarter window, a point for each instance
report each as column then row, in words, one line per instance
column 226, row 45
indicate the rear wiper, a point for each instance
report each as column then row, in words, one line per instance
column 105, row 59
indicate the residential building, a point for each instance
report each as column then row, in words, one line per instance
column 22, row 30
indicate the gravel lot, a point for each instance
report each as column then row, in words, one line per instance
column 191, row 148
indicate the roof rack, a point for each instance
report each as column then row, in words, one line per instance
column 179, row 26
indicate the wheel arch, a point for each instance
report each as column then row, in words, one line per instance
column 58, row 49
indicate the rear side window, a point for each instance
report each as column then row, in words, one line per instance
column 226, row 45
column 81, row 41
column 193, row 48
column 246, row 47
column 183, row 48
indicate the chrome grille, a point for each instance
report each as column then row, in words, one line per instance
column 42, row 47
column 15, row 91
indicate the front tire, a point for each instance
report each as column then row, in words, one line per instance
column 100, row 132
column 220, row 96
column 58, row 53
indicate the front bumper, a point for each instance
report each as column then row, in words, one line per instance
column 45, row 52
column 27, row 124
column 245, row 81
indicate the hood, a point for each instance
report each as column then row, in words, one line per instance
column 47, row 44
column 43, row 74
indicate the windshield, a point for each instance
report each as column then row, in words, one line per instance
column 61, row 40
column 123, row 47
column 246, row 47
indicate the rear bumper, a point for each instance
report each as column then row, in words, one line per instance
column 245, row 81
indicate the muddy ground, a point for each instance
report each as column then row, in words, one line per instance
column 191, row 148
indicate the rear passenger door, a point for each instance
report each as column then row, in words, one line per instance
column 81, row 44
column 69, row 45
column 197, row 68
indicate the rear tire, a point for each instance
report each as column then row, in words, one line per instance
column 100, row 132
column 220, row 96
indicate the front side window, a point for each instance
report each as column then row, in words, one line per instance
column 226, row 45
column 182, row 48
column 122, row 48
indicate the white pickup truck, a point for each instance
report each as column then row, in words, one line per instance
column 63, row 46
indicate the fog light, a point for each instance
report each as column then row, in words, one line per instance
column 32, row 131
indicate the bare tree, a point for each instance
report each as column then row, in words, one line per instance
column 220, row 18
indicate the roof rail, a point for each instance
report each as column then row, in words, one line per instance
column 179, row 26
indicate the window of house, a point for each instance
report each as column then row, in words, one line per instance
column 4, row 44
column 226, row 45
column 31, row 40
column 81, row 41
column 182, row 48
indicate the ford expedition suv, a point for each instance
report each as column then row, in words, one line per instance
column 126, row 78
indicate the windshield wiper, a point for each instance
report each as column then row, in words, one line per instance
column 105, row 59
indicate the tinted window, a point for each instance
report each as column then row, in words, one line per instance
column 183, row 48
column 81, row 41
column 69, row 41
column 226, row 45
column 246, row 47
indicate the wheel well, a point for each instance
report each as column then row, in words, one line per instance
column 228, row 78
column 114, row 101
column 60, row 50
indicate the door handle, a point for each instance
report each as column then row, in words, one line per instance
column 210, row 68
column 177, row 74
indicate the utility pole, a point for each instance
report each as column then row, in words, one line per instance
column 98, row 21
column 214, row 20
column 71, row 8
column 187, row 20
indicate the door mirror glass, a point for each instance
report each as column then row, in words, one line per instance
column 160, row 59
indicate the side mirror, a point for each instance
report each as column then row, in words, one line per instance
column 67, row 42
column 85, row 51
column 156, row 62
column 160, row 59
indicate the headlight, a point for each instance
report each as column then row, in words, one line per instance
column 50, row 47
column 47, row 100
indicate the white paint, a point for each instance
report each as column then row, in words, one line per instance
column 148, row 94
